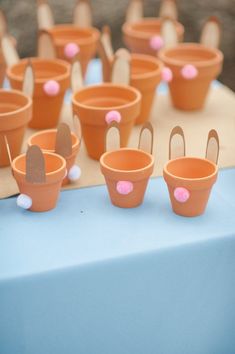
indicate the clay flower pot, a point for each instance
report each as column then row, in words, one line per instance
column 70, row 40
column 193, row 67
column 98, row 105
column 126, row 173
column 39, row 196
column 144, row 36
column 15, row 113
column 189, row 181
column 46, row 140
column 52, row 79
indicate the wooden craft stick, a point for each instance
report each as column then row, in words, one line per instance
column 168, row 33
column 63, row 144
column 121, row 70
column 213, row 146
column 134, row 11
column 112, row 137
column 35, row 165
column 177, row 131
column 146, row 138
column 44, row 15
column 168, row 9
column 9, row 52
column 211, row 33
column 76, row 78
column 82, row 15
column 28, row 83
column 46, row 47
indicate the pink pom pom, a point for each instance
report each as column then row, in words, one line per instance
column 70, row 50
column 51, row 88
column 167, row 75
column 189, row 72
column 113, row 116
column 181, row 194
column 156, row 42
column 124, row 187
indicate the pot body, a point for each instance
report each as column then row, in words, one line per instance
column 52, row 79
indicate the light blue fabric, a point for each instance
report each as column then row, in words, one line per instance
column 91, row 278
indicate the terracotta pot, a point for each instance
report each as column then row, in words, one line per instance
column 68, row 38
column 98, row 105
column 193, row 66
column 15, row 113
column 189, row 181
column 126, row 173
column 52, row 79
column 44, row 196
column 46, row 140
column 137, row 35
column 3, row 63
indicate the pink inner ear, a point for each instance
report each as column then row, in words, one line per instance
column 167, row 74
column 156, row 42
column 113, row 116
column 70, row 50
column 181, row 194
column 51, row 88
column 124, row 187
column 189, row 72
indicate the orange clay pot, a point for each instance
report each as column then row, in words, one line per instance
column 46, row 141
column 189, row 181
column 67, row 37
column 126, row 173
column 94, row 103
column 188, row 93
column 44, row 195
column 52, row 79
column 137, row 36
column 3, row 64
column 15, row 113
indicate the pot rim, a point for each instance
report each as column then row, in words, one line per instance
column 126, row 171
column 60, row 62
column 165, row 169
column 90, row 87
column 163, row 55
column 127, row 27
column 147, row 58
column 18, row 110
column 93, row 32
column 74, row 146
column 63, row 166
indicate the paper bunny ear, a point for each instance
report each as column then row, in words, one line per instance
column 168, row 9
column 121, row 70
column 46, row 48
column 112, row 137
column 28, row 82
column 35, row 165
column 106, row 40
column 82, row 15
column 134, row 11
column 146, row 138
column 63, row 144
column 3, row 23
column 105, row 51
column 168, row 33
column 76, row 75
column 9, row 52
column 176, row 143
column 212, row 147
column 211, row 33
column 44, row 15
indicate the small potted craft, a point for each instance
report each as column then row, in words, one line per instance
column 127, row 171
column 51, row 80
column 61, row 141
column 15, row 114
column 192, row 68
column 97, row 106
column 146, row 72
column 69, row 39
column 39, row 176
column 190, row 179
column 145, row 34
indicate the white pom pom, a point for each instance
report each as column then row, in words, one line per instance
column 24, row 201
column 74, row 173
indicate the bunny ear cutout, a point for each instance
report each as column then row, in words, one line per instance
column 76, row 78
column 105, row 51
column 46, row 48
column 211, row 33
column 146, row 138
column 168, row 9
column 212, row 147
column 106, row 40
column 3, row 23
column 44, row 15
column 8, row 149
column 77, row 128
column 121, row 70
column 176, row 143
column 63, row 144
column 135, row 11
column 112, row 137
column 168, row 33
column 10, row 54
column 82, row 15
column 35, row 165
column 28, row 82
